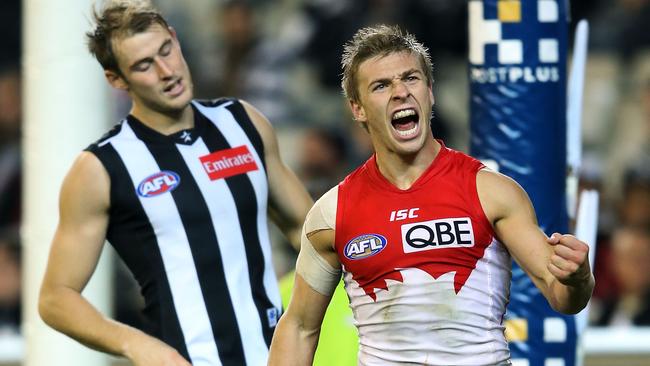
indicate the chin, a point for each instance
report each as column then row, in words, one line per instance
column 174, row 108
column 409, row 147
column 180, row 102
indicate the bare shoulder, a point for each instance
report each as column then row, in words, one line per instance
column 261, row 123
column 499, row 194
column 86, row 184
column 87, row 167
column 491, row 180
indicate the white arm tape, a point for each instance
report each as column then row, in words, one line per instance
column 315, row 270
column 311, row 266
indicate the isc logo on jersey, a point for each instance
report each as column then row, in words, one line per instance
column 437, row 234
column 364, row 246
column 159, row 183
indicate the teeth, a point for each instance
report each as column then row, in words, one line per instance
column 407, row 133
column 404, row 113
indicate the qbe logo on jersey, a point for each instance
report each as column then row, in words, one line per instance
column 437, row 234
column 505, row 48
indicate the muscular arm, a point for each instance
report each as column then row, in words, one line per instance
column 558, row 265
column 317, row 273
column 289, row 200
column 75, row 251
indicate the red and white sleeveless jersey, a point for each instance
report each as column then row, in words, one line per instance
column 428, row 283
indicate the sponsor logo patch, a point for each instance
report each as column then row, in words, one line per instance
column 407, row 213
column 159, row 183
column 273, row 315
column 437, row 234
column 227, row 163
column 364, row 246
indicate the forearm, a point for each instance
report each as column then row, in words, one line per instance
column 296, row 337
column 68, row 312
column 290, row 203
column 571, row 299
column 292, row 345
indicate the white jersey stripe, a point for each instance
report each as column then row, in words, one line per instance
column 235, row 136
column 221, row 204
column 174, row 249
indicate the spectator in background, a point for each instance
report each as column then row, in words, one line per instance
column 10, row 121
column 635, row 205
column 630, row 266
column 9, row 281
column 627, row 157
column 632, row 209
column 323, row 160
column 239, row 38
column 248, row 64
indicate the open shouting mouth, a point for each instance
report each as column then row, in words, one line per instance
column 405, row 122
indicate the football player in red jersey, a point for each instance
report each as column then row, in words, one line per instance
column 423, row 234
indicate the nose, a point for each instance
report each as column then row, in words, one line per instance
column 164, row 70
column 400, row 90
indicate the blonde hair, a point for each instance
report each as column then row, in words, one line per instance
column 380, row 40
column 119, row 18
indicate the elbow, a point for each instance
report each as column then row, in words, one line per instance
column 46, row 306
column 43, row 306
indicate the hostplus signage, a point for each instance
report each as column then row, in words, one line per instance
column 505, row 49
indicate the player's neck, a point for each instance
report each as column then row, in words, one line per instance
column 403, row 170
column 165, row 123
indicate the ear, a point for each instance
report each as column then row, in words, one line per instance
column 358, row 112
column 116, row 80
column 431, row 98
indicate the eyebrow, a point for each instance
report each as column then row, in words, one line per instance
column 402, row 75
column 150, row 59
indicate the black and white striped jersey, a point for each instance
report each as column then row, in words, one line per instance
column 188, row 216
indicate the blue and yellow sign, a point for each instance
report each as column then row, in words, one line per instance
column 517, row 73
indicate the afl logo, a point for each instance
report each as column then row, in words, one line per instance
column 159, row 183
column 364, row 246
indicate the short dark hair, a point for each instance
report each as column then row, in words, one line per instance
column 380, row 40
column 119, row 18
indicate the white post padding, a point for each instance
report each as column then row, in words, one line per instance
column 65, row 108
